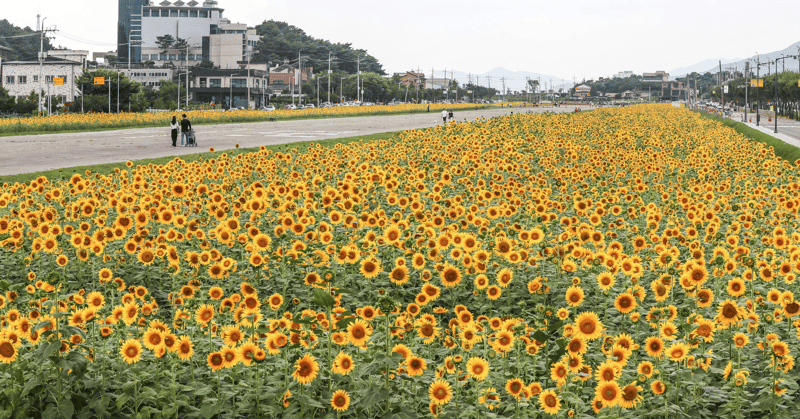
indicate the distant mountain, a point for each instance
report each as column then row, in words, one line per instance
column 700, row 67
column 712, row 66
column 514, row 80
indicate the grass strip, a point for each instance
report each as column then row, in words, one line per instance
column 783, row 150
column 108, row 168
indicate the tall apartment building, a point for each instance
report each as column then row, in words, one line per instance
column 129, row 28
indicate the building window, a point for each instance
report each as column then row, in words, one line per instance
column 203, row 82
column 48, row 79
column 239, row 82
column 173, row 57
column 192, row 13
column 173, row 13
column 162, row 57
column 184, row 13
column 146, row 13
column 9, row 79
column 36, row 79
column 215, row 82
column 204, row 13
column 22, row 79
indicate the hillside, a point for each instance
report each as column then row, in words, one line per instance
column 281, row 41
column 24, row 42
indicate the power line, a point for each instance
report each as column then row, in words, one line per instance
column 20, row 36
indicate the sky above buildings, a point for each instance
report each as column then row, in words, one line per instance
column 564, row 38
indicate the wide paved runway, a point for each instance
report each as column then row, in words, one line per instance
column 35, row 153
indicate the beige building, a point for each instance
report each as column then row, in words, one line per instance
column 231, row 43
column 20, row 78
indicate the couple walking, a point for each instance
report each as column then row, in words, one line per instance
column 185, row 125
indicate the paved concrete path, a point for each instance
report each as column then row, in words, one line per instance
column 35, row 153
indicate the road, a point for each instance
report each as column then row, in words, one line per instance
column 35, row 153
column 788, row 130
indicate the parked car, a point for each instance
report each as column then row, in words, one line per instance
column 309, row 106
column 290, row 107
column 267, row 108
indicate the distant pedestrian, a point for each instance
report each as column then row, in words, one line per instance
column 186, row 125
column 450, row 116
column 429, row 108
column 173, row 125
column 444, row 116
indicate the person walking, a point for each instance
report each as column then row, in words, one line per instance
column 444, row 116
column 450, row 116
column 186, row 125
column 174, row 129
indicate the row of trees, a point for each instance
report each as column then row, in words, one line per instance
column 787, row 90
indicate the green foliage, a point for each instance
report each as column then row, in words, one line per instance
column 96, row 97
column 22, row 48
column 281, row 41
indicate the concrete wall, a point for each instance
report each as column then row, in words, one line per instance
column 193, row 29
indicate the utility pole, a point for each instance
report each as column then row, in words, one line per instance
column 300, row 80
column 758, row 91
column 247, row 83
column 358, row 78
column 186, row 108
column 41, row 60
column 118, row 90
column 329, row 78
column 746, row 83
column 722, row 89
column 318, row 92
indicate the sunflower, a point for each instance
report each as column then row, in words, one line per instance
column 549, row 402
column 625, row 303
column 215, row 361
column 450, row 276
column 678, row 351
column 574, row 296
column 736, row 287
column 503, row 342
column 477, row 368
column 131, row 351
column 440, row 392
column 146, row 256
column 215, row 293
column 343, row 364
column 658, row 387
column 415, row 365
column 504, row 277
column 340, row 401
column 609, row 392
column 494, row 292
column 607, row 371
column 359, row 332
column 185, row 348
column 654, row 346
column 399, row 275
column 370, row 267
column 232, row 335
column 588, row 326
column 153, row 339
column 305, row 370
column 515, row 386
column 8, row 352
column 204, row 314
column 740, row 340
column 728, row 313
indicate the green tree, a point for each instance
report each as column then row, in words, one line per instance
column 165, row 42
column 6, row 101
column 22, row 47
column 96, row 97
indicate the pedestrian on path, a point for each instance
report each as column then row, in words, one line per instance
column 186, row 125
column 173, row 125
column 444, row 116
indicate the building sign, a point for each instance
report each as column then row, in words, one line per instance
column 58, row 81
column 99, row 81
column 758, row 83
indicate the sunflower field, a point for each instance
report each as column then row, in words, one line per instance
column 620, row 263
column 101, row 121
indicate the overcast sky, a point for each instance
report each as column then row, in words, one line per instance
column 564, row 38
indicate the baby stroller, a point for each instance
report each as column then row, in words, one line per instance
column 191, row 139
